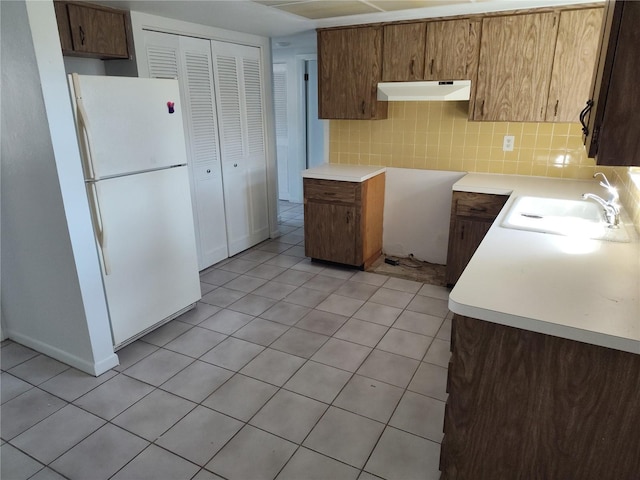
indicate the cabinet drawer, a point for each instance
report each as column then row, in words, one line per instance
column 480, row 205
column 331, row 191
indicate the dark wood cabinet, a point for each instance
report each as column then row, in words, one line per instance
column 471, row 217
column 93, row 31
column 403, row 52
column 343, row 220
column 613, row 124
column 349, row 69
column 528, row 405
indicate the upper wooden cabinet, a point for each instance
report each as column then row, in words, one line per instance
column 403, row 52
column 93, row 31
column 516, row 56
column 613, row 125
column 349, row 69
column 451, row 51
column 573, row 64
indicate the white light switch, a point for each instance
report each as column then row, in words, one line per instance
column 507, row 145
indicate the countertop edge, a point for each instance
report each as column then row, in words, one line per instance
column 343, row 173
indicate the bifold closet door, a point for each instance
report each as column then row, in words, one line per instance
column 189, row 60
column 238, row 86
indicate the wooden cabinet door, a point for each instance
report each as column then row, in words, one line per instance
column 330, row 232
column 98, row 31
column 452, row 50
column 613, row 126
column 516, row 56
column 349, row 69
column 465, row 237
column 403, row 52
column 573, row 64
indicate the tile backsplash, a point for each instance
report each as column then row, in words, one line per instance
column 439, row 136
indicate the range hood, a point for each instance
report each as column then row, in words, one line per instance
column 424, row 91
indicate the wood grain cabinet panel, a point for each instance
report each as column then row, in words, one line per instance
column 573, row 64
column 93, row 31
column 349, row 69
column 343, row 220
column 403, row 52
column 472, row 214
column 451, row 51
column 613, row 125
column 527, row 405
column 514, row 70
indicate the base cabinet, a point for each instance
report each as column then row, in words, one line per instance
column 343, row 220
column 471, row 217
column 527, row 405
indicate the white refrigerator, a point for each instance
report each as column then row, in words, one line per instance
column 132, row 142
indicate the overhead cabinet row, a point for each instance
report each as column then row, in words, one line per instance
column 525, row 67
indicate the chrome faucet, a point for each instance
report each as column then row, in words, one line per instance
column 611, row 207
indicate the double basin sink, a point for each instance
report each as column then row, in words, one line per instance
column 558, row 216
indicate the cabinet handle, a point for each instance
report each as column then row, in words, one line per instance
column 431, row 67
column 347, row 217
column 81, row 35
column 329, row 194
column 482, row 109
column 411, row 67
column 583, row 114
column 478, row 209
column 208, row 170
column 462, row 233
column 555, row 110
column 362, row 105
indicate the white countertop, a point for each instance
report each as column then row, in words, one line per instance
column 343, row 173
column 584, row 290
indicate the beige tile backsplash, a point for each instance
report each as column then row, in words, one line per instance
column 438, row 136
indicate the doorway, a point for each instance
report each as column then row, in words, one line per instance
column 300, row 135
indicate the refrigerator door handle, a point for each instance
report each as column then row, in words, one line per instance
column 98, row 225
column 84, row 124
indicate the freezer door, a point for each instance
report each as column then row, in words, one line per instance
column 149, row 247
column 128, row 125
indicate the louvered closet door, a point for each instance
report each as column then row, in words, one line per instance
column 282, row 128
column 238, row 82
column 189, row 60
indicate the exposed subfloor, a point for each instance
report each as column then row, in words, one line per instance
column 286, row 369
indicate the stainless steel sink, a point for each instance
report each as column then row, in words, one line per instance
column 559, row 216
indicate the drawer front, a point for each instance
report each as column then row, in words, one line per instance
column 331, row 191
column 481, row 205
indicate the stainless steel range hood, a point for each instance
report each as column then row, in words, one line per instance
column 424, row 91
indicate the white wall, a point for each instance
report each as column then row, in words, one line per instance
column 301, row 46
column 417, row 206
column 142, row 21
column 84, row 66
column 52, row 295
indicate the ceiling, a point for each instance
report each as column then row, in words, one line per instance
column 274, row 18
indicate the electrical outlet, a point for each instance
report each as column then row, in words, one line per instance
column 507, row 144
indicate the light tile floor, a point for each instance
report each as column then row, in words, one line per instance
column 286, row 369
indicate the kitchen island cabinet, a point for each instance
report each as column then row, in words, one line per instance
column 349, row 69
column 528, row 405
column 343, row 214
